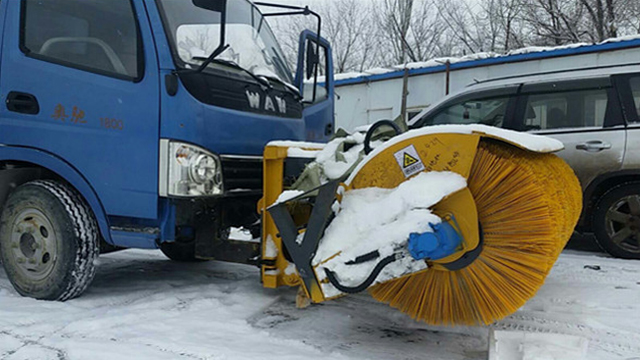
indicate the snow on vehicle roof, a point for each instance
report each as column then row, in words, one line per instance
column 485, row 59
column 561, row 75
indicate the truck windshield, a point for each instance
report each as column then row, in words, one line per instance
column 195, row 34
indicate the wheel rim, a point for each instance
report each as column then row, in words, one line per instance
column 623, row 223
column 34, row 247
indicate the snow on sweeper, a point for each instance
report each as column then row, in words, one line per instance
column 449, row 224
column 125, row 131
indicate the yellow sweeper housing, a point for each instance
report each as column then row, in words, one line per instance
column 514, row 217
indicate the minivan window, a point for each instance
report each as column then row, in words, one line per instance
column 635, row 90
column 574, row 109
column 94, row 35
column 483, row 111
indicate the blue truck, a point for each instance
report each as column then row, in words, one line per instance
column 141, row 124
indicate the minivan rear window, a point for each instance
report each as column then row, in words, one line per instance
column 572, row 109
column 484, row 111
column 635, row 90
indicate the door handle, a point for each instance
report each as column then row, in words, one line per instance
column 22, row 103
column 594, row 146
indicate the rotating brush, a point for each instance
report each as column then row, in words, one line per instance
column 528, row 205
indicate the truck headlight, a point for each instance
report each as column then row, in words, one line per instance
column 188, row 171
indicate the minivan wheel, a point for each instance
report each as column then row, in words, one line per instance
column 48, row 241
column 616, row 221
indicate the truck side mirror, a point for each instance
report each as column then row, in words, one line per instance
column 213, row 5
column 311, row 60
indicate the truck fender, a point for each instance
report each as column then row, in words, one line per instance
column 65, row 171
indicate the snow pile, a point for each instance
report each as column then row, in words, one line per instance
column 538, row 49
column 241, row 234
column 382, row 219
column 536, row 143
column 288, row 195
column 335, row 166
column 444, row 60
column 297, row 144
column 296, row 152
column 512, row 345
column 143, row 306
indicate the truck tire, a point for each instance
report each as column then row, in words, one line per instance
column 48, row 241
column 180, row 251
column 616, row 221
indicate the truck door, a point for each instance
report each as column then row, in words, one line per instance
column 319, row 104
column 80, row 81
column 585, row 115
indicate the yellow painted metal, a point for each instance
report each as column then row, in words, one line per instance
column 273, row 167
column 438, row 152
column 460, row 210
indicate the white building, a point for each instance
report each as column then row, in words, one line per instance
column 364, row 98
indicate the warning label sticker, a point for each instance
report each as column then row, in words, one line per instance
column 409, row 161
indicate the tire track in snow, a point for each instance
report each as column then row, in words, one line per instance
column 609, row 341
column 27, row 342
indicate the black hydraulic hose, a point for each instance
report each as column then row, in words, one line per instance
column 373, row 128
column 364, row 258
column 362, row 287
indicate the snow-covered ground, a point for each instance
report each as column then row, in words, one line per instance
column 143, row 306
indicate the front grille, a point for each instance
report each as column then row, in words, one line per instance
column 242, row 174
column 246, row 173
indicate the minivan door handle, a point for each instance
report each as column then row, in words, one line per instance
column 22, row 103
column 594, row 146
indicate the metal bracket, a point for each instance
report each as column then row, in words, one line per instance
column 302, row 253
column 469, row 257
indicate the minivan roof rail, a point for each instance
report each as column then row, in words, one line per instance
column 478, row 82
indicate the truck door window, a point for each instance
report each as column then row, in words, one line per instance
column 99, row 36
column 485, row 111
column 574, row 109
column 322, row 92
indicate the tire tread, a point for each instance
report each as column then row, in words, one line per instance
column 86, row 233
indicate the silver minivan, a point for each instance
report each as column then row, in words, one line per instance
column 595, row 113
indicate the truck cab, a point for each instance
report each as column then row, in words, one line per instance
column 141, row 124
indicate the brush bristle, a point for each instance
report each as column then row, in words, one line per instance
column 528, row 205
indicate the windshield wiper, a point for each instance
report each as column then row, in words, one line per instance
column 212, row 57
column 260, row 79
column 290, row 88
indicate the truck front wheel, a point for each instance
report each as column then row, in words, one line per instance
column 48, row 241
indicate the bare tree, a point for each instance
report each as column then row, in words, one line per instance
column 506, row 17
column 394, row 18
column 469, row 25
column 602, row 16
column 426, row 32
column 347, row 24
column 411, row 29
column 371, row 33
